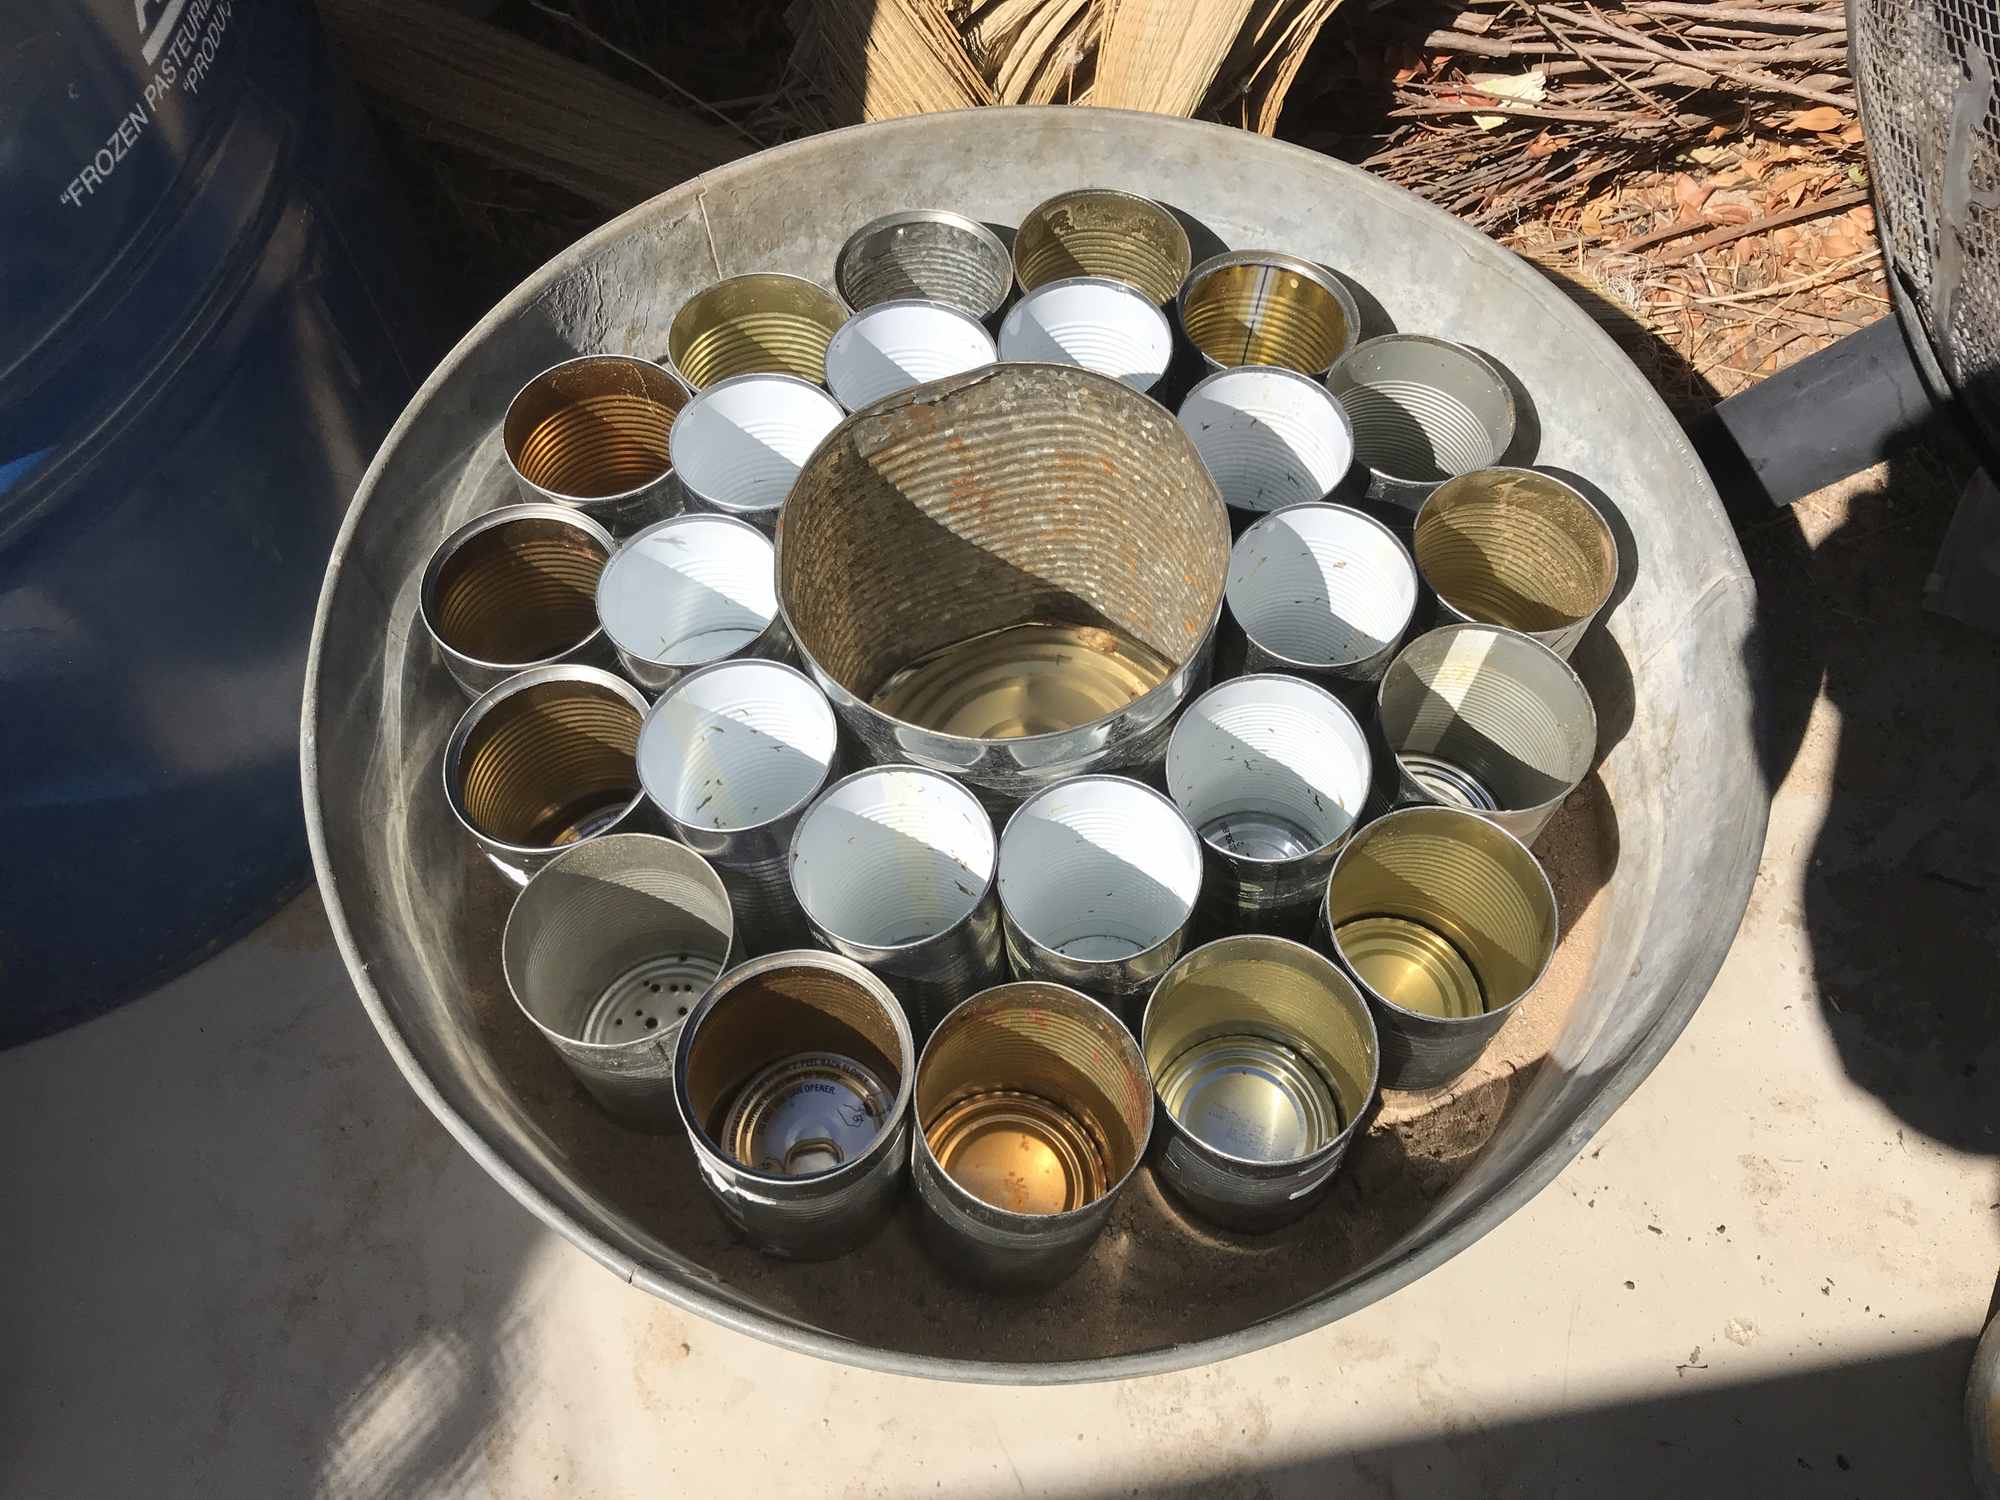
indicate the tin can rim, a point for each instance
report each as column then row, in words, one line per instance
column 1003, row 259
column 487, row 520
column 1569, row 491
column 492, row 698
column 732, row 664
column 672, row 361
column 1450, row 814
column 1458, row 627
column 1346, row 512
column 1179, row 238
column 631, row 544
column 806, row 958
column 591, row 503
column 1320, row 275
column 738, row 512
column 1473, row 357
column 1129, row 1049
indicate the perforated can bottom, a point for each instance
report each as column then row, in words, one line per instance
column 652, row 996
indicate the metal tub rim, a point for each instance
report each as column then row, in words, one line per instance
column 1729, row 587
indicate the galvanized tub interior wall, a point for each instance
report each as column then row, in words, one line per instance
column 419, row 915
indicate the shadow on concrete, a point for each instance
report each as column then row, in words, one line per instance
column 1819, row 1431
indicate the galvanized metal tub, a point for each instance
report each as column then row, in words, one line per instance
column 418, row 913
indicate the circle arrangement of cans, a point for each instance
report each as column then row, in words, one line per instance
column 996, row 956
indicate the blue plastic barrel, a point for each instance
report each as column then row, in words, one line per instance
column 198, row 355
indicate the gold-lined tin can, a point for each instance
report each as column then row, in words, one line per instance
column 1033, row 1110
column 763, row 323
column 1103, row 232
column 515, row 588
column 1265, row 1059
column 925, row 253
column 1446, row 921
column 1263, row 307
column 1518, row 548
column 606, row 951
column 1424, row 410
column 594, row 432
column 793, row 1077
column 545, row 760
column 1489, row 719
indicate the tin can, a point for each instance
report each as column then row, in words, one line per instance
column 606, row 951
column 894, row 345
column 513, row 589
column 1479, row 717
column 1271, row 437
column 1424, row 409
column 740, row 444
column 594, row 432
column 1273, row 773
column 1099, row 876
column 1263, row 307
column 1094, row 323
column 1011, row 577
column 1265, row 1059
column 688, row 591
column 543, row 761
column 1445, row 920
column 793, row 1078
column 764, row 323
column 1103, row 232
column 1033, row 1110
column 1517, row 548
column 733, row 754
column 893, row 866
column 1322, row 592
column 925, row 253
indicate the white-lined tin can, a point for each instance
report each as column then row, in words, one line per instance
column 894, row 345
column 741, row 443
column 1099, row 876
column 1273, row 773
column 688, row 591
column 1270, row 437
column 894, row 867
column 733, row 754
column 1092, row 322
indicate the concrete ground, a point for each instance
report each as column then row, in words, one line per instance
column 240, row 1259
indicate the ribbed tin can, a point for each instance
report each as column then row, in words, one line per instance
column 1265, row 1059
column 513, row 588
column 1446, row 921
column 1518, row 548
column 1092, row 322
column 606, row 951
column 1103, row 232
column 688, row 591
column 1099, row 876
column 1263, row 307
column 1270, row 437
column 594, row 432
column 1424, row 409
column 793, row 1078
column 1033, row 1109
column 1011, row 576
column 1479, row 717
column 733, row 754
column 740, row 444
column 928, row 253
column 894, row 867
column 1273, row 773
column 763, row 323
column 545, row 760
column 1325, row 593
column 894, row 345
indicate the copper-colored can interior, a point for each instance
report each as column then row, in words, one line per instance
column 1099, row 232
column 522, row 590
column 1048, row 1076
column 783, row 1011
column 594, row 427
column 550, row 763
column 1516, row 548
